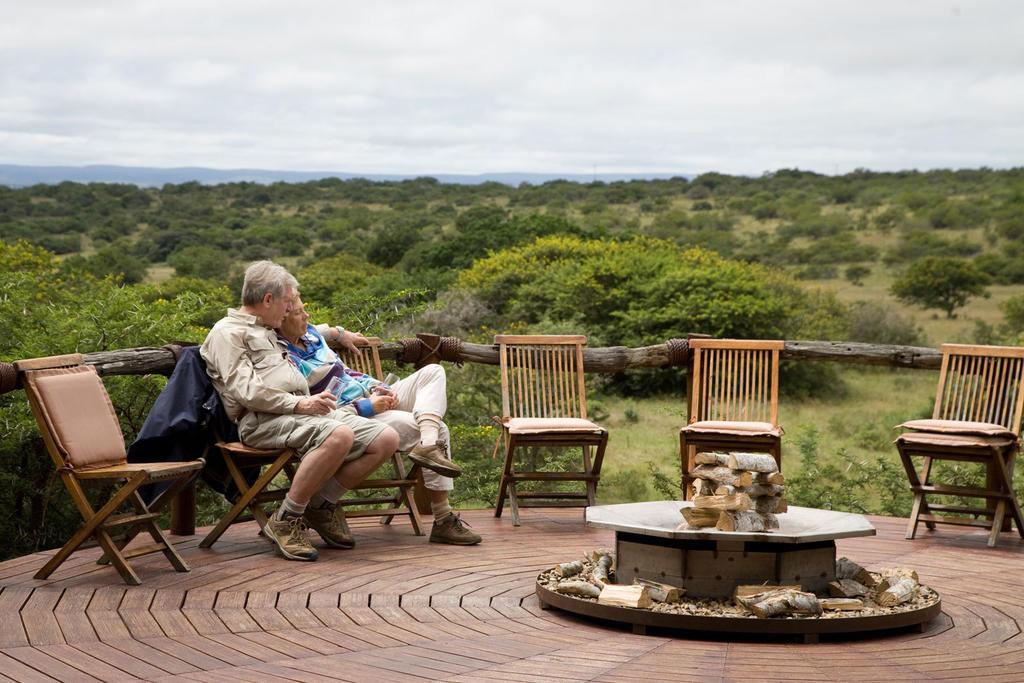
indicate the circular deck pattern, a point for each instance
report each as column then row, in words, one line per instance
column 397, row 608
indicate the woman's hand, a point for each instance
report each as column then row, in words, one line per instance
column 382, row 402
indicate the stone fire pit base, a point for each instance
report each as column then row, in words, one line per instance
column 719, row 616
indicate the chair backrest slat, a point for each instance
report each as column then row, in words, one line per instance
column 735, row 380
column 981, row 384
column 542, row 375
column 366, row 359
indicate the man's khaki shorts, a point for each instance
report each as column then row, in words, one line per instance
column 305, row 433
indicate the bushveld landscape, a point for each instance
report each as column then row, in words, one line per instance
column 915, row 258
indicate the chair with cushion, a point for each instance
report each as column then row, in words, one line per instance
column 976, row 418
column 734, row 401
column 544, row 403
column 84, row 440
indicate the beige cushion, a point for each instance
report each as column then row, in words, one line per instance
column 954, row 440
column 535, row 425
column 80, row 416
column 958, row 427
column 737, row 428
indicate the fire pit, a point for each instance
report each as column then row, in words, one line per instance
column 710, row 564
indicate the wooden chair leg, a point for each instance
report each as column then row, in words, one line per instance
column 246, row 499
column 997, row 522
column 1004, row 470
column 513, row 499
column 506, row 473
column 684, row 466
column 915, row 486
column 588, row 468
column 598, row 461
column 926, row 477
column 158, row 536
column 91, row 527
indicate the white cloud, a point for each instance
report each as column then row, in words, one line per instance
column 446, row 87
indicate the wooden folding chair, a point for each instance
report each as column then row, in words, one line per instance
column 544, row 403
column 734, row 401
column 400, row 502
column 84, row 440
column 976, row 418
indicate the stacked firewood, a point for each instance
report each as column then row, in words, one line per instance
column 594, row 577
column 855, row 588
column 735, row 492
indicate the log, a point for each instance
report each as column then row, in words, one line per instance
column 699, row 518
column 723, row 475
column 595, row 555
column 897, row 593
column 601, row 569
column 891, row 575
column 752, row 462
column 736, row 502
column 662, row 592
column 754, row 490
column 748, row 595
column 769, row 504
column 712, row 458
column 635, row 595
column 775, row 478
column 567, row 569
column 726, row 490
column 787, row 602
column 703, row 487
column 770, row 520
column 747, row 520
column 846, row 588
column 581, row 589
column 841, row 604
column 847, row 568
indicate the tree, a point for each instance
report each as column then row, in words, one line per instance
column 856, row 274
column 943, row 283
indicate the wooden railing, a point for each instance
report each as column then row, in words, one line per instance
column 427, row 348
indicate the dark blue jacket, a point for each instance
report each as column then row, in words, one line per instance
column 186, row 420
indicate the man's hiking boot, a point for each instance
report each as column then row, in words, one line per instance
column 452, row 530
column 433, row 457
column 329, row 522
column 288, row 533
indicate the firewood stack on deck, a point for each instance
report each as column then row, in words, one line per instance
column 735, row 492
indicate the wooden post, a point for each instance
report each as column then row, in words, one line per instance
column 183, row 511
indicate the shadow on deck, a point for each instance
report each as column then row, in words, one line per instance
column 397, row 608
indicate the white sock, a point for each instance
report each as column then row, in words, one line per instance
column 293, row 508
column 430, row 429
column 330, row 493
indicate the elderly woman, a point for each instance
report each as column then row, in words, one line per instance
column 414, row 407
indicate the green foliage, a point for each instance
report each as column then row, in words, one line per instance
column 201, row 261
column 880, row 324
column 1013, row 314
column 943, row 283
column 856, row 273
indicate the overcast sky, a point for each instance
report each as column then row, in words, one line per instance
column 485, row 86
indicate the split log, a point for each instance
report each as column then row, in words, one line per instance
column 770, row 520
column 770, row 478
column 601, row 568
column 898, row 593
column 746, row 520
column 737, row 502
column 636, row 595
column 581, row 589
column 699, row 518
column 841, row 604
column 787, row 602
column 723, row 475
column 754, row 490
column 752, row 462
column 848, row 569
column 768, row 504
column 749, row 595
column 892, row 575
column 567, row 569
column 661, row 592
column 595, row 555
column 703, row 487
column 846, row 588
column 713, row 458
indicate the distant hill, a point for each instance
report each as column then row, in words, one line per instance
column 14, row 175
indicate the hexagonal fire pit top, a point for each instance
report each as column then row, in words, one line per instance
column 660, row 518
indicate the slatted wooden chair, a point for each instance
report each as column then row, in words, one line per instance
column 398, row 497
column 251, row 504
column 976, row 418
column 84, row 440
column 544, row 403
column 734, row 401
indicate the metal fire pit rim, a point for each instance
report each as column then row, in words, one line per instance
column 688, row 622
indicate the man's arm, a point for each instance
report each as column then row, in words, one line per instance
column 231, row 364
column 340, row 335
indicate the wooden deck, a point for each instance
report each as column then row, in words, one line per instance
column 397, row 608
